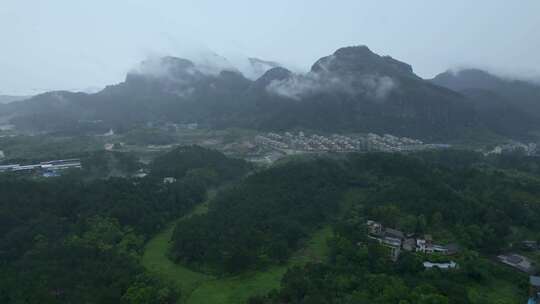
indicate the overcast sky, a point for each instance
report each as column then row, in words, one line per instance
column 75, row 45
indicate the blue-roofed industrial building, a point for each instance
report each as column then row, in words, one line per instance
column 534, row 290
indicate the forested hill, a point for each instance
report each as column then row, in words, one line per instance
column 458, row 197
column 352, row 89
column 70, row 239
column 262, row 219
column 197, row 161
column 74, row 240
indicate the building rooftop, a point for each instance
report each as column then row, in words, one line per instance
column 535, row 281
column 453, row 248
column 394, row 233
column 515, row 259
column 446, row 265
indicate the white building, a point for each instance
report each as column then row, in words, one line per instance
column 445, row 266
column 169, row 180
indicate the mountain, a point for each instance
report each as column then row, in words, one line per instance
column 351, row 90
column 257, row 67
column 509, row 107
column 9, row 98
column 163, row 89
column 357, row 90
column 521, row 94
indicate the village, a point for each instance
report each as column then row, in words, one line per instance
column 397, row 241
column 529, row 149
column 341, row 143
column 439, row 256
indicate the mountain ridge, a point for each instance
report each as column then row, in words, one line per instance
column 509, row 107
column 351, row 90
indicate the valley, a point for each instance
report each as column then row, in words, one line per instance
column 215, row 229
column 199, row 288
column 162, row 152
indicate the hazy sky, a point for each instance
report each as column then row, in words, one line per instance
column 75, row 45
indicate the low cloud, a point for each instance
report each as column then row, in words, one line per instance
column 210, row 63
column 519, row 74
column 162, row 67
column 169, row 67
column 296, row 87
column 379, row 87
column 300, row 86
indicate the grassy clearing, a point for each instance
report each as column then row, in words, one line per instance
column 239, row 288
column 155, row 260
column 202, row 288
column 497, row 292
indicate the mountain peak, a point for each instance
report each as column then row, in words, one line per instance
column 360, row 59
column 356, row 51
column 273, row 74
column 167, row 67
column 257, row 61
column 474, row 73
column 257, row 67
column 277, row 73
column 467, row 78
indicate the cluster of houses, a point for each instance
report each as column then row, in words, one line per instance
column 397, row 241
column 47, row 168
column 529, row 149
column 310, row 143
column 170, row 126
column 388, row 142
column 339, row 143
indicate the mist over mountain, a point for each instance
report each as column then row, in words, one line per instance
column 257, row 67
column 351, row 90
column 354, row 89
column 523, row 94
column 508, row 106
column 10, row 98
column 481, row 78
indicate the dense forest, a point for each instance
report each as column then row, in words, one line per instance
column 471, row 204
column 363, row 274
column 474, row 205
column 73, row 240
column 195, row 160
column 456, row 196
column 262, row 219
column 79, row 239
